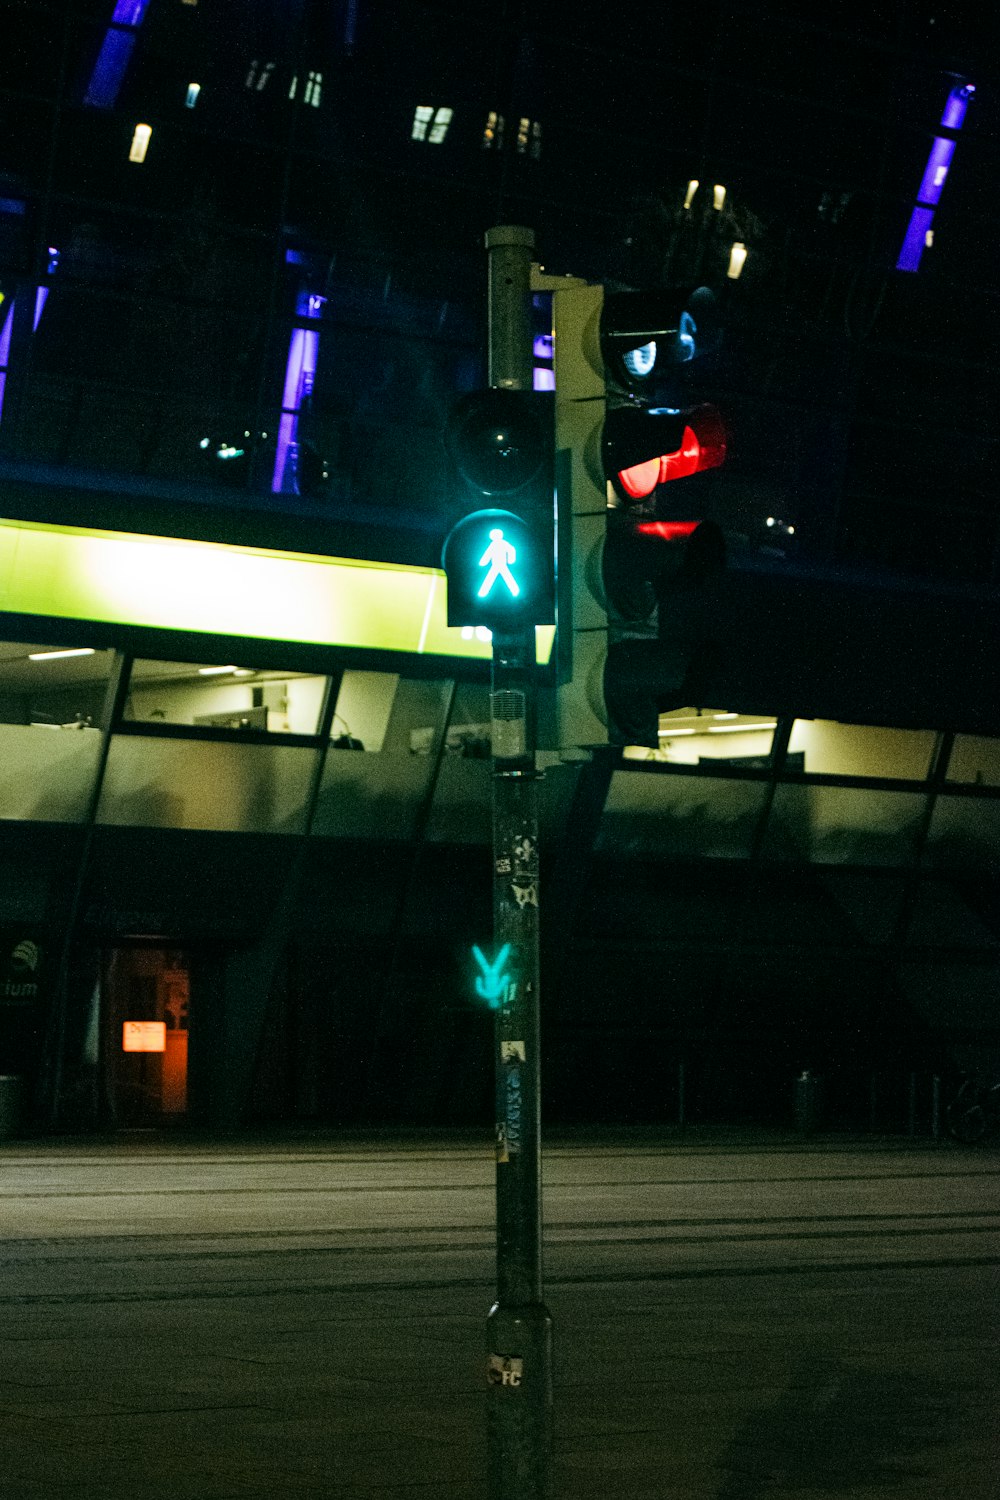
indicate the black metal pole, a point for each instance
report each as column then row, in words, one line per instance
column 519, row 1327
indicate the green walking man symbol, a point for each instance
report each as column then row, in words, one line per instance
column 498, row 557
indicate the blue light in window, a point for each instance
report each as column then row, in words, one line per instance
column 129, row 12
column 300, row 372
column 936, row 170
column 116, row 51
column 5, row 332
column 109, row 69
column 918, row 232
column 958, row 102
column 915, row 239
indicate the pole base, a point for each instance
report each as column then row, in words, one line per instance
column 519, row 1369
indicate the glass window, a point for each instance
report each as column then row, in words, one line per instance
column 56, row 685
column 833, row 749
column 844, row 825
column 52, row 703
column 372, row 797
column 224, row 697
column 463, row 800
column 975, row 758
column 381, row 795
column 364, row 707
column 965, row 833
column 469, row 728
column 685, row 816
column 692, row 735
column 177, row 783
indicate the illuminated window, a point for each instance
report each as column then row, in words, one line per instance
column 863, row 750
column 313, row 88
column 363, row 710
column 54, row 686
column 258, row 75
column 116, row 51
column 300, row 373
column 543, row 372
column 140, row 143
column 493, row 132
column 529, row 138
column 430, row 124
column 691, row 735
column 193, row 90
column 737, row 259
column 224, row 697
column 919, row 234
column 975, row 758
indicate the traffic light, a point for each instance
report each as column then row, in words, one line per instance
column 633, row 622
column 499, row 555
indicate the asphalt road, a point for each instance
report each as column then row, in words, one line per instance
column 734, row 1320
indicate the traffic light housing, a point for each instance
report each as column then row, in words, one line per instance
column 633, row 624
column 499, row 555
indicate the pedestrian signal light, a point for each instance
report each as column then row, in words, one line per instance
column 499, row 555
column 496, row 572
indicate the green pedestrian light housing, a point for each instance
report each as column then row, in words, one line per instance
column 499, row 556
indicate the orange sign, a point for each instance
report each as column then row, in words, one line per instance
column 144, row 1036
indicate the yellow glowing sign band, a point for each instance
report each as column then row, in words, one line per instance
column 213, row 588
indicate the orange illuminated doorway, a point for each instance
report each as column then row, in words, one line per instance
column 146, row 1001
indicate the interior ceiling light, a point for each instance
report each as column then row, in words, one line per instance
column 58, row 655
column 215, row 671
column 739, row 728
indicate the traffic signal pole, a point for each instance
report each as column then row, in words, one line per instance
column 519, row 1327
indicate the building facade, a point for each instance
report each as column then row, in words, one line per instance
column 245, row 825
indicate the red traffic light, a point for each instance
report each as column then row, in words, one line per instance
column 702, row 446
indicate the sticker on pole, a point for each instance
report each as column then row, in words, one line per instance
column 505, row 1369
